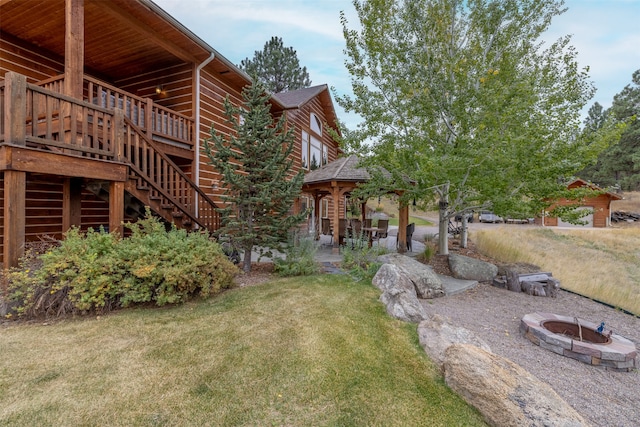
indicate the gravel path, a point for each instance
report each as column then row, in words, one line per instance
column 604, row 398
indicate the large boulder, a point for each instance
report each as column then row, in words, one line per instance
column 425, row 280
column 398, row 294
column 436, row 335
column 505, row 394
column 464, row 267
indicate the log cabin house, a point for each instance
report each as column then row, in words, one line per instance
column 103, row 108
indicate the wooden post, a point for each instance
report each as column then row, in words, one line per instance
column 148, row 115
column 316, row 213
column 15, row 189
column 403, row 221
column 335, row 192
column 118, row 135
column 74, row 48
column 71, row 203
column 116, row 206
column 15, row 95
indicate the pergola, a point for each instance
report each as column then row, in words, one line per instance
column 337, row 180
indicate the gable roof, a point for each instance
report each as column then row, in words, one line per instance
column 342, row 169
column 296, row 99
column 582, row 183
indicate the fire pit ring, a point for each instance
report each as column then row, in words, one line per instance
column 579, row 339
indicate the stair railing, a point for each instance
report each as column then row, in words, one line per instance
column 154, row 167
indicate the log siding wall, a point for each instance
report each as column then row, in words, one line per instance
column 213, row 92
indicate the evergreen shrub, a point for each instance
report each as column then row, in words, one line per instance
column 98, row 271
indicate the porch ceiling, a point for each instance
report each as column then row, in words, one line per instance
column 123, row 38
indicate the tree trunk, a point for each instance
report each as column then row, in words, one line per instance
column 443, row 222
column 246, row 264
column 443, row 231
column 465, row 231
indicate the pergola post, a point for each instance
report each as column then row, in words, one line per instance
column 316, row 210
column 403, row 221
column 335, row 194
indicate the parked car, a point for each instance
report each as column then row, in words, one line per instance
column 469, row 216
column 488, row 216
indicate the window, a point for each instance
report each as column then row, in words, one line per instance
column 314, row 153
column 305, row 150
column 315, row 124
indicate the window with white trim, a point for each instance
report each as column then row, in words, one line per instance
column 313, row 152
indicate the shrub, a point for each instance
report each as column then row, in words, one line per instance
column 98, row 271
column 430, row 247
column 299, row 257
column 360, row 260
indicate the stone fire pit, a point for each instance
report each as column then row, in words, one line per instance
column 579, row 339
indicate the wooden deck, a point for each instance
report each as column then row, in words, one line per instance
column 111, row 137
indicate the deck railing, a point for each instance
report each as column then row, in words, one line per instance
column 162, row 124
column 47, row 120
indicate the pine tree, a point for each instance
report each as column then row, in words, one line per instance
column 277, row 67
column 256, row 166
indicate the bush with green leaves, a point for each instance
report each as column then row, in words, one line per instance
column 97, row 271
column 299, row 257
column 359, row 259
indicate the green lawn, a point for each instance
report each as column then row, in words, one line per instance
column 418, row 221
column 299, row 352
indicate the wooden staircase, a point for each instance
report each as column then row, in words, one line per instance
column 156, row 181
column 112, row 125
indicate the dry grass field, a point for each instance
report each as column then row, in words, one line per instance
column 603, row 264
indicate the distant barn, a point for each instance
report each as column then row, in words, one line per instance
column 599, row 208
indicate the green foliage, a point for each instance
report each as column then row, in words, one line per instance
column 463, row 96
column 299, row 257
column 430, row 243
column 277, row 67
column 256, row 165
column 619, row 165
column 359, row 259
column 97, row 271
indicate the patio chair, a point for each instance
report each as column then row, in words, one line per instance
column 326, row 228
column 410, row 229
column 367, row 223
column 383, row 229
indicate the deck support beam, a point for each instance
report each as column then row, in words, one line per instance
column 71, row 203
column 15, row 188
column 74, row 48
column 116, row 206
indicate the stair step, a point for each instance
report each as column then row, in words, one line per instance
column 155, row 198
column 187, row 222
column 177, row 214
column 143, row 188
column 164, row 206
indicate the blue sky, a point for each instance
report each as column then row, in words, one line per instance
column 605, row 33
